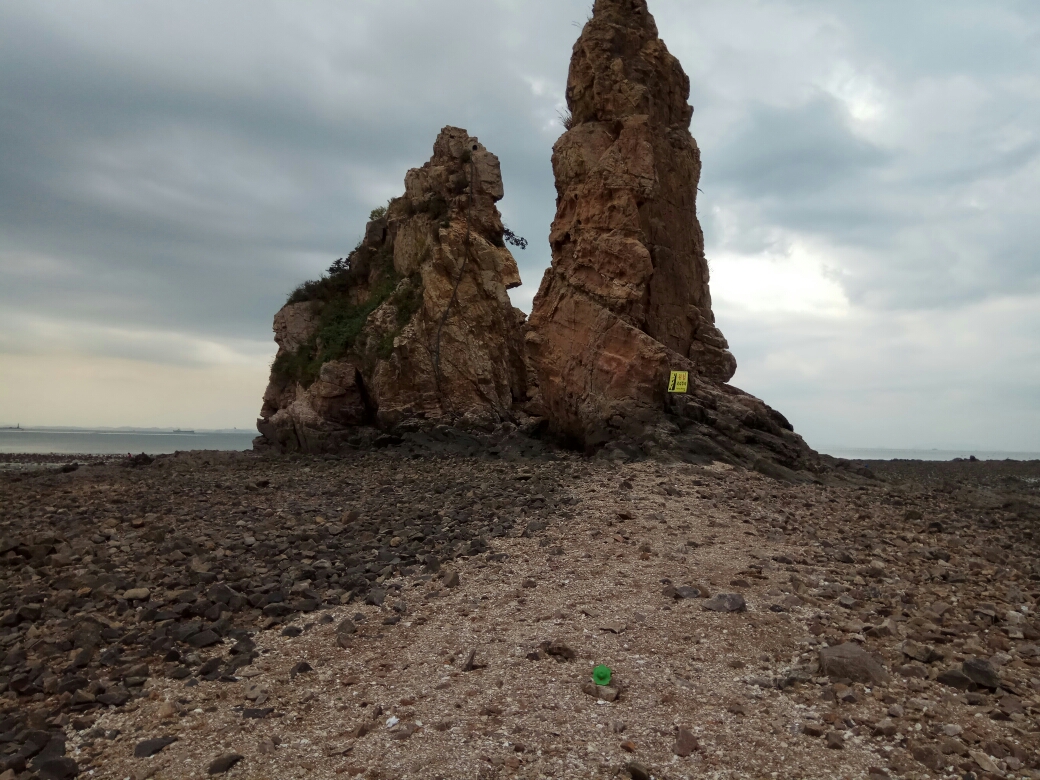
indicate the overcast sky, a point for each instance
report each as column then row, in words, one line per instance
column 871, row 192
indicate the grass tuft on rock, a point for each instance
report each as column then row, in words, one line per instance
column 341, row 322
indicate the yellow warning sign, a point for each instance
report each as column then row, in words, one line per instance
column 680, row 382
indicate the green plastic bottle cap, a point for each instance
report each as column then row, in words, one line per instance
column 601, row 675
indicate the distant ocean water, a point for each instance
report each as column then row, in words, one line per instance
column 79, row 442
column 852, row 453
column 118, row 442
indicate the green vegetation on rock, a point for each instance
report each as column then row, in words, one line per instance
column 408, row 299
column 385, row 349
column 341, row 322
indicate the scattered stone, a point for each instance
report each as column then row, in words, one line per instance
column 956, row 678
column 981, row 672
column 149, row 747
column 203, row 639
column 607, row 693
column 212, row 666
column 852, row 662
column 881, row 631
column 726, row 602
column 918, row 651
column 559, row 650
column 58, row 769
column 886, row 727
column 917, row 671
column 929, row 755
column 688, row 592
column 835, row 740
column 68, row 638
column 986, row 764
column 637, row 771
column 686, row 743
column 137, row 594
column 300, row 668
column 224, row 763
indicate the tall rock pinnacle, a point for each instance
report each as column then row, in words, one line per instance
column 626, row 299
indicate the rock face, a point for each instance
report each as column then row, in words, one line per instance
column 415, row 327
column 626, row 300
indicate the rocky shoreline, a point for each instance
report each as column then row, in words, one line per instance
column 406, row 613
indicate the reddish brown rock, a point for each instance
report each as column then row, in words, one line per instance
column 686, row 743
column 415, row 327
column 627, row 298
column 626, row 301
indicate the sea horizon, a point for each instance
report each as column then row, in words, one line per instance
column 72, row 440
column 158, row 429
column 925, row 454
column 121, row 441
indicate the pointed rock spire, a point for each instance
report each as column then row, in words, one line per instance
column 626, row 299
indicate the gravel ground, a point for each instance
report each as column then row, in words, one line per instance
column 397, row 615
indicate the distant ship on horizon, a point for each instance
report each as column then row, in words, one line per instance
column 178, row 430
column 17, row 427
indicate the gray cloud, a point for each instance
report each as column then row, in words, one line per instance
column 783, row 153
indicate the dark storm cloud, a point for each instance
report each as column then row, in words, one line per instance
column 189, row 182
column 786, row 153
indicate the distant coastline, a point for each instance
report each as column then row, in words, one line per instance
column 885, row 453
column 158, row 441
column 122, row 429
column 120, row 441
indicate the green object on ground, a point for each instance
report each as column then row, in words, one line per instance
column 601, row 675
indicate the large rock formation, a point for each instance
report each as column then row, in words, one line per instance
column 415, row 327
column 626, row 300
